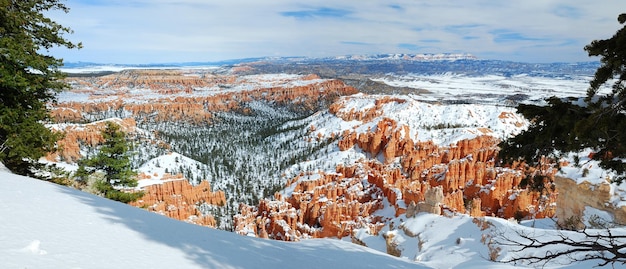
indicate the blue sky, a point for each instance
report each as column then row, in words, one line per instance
column 165, row 31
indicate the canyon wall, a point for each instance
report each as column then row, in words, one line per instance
column 398, row 173
column 175, row 197
column 175, row 96
column 185, row 96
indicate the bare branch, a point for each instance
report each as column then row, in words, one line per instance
column 603, row 246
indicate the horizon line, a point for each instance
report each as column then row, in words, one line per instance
column 466, row 56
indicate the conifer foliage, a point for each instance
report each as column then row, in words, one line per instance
column 29, row 78
column 597, row 122
column 113, row 159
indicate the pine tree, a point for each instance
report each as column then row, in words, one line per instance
column 606, row 126
column 599, row 124
column 113, row 159
column 29, row 78
column 613, row 59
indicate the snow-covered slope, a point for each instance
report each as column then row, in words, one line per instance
column 171, row 163
column 442, row 124
column 495, row 89
column 49, row 226
column 459, row 241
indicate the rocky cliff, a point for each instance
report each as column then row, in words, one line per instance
column 175, row 197
column 178, row 199
column 321, row 205
column 76, row 136
column 431, row 180
column 575, row 198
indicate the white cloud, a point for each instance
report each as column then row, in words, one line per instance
column 143, row 31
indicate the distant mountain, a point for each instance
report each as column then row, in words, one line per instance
column 378, row 57
column 338, row 66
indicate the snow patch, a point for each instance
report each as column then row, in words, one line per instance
column 34, row 248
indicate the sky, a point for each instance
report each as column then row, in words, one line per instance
column 169, row 31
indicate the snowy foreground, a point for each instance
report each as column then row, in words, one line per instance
column 50, row 226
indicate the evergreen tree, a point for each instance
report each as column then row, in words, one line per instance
column 613, row 65
column 599, row 123
column 29, row 78
column 113, row 159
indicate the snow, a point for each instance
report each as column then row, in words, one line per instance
column 155, row 168
column 442, row 124
column 585, row 169
column 491, row 88
column 593, row 217
column 50, row 226
column 581, row 168
column 460, row 241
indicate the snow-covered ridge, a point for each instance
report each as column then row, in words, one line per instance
column 442, row 124
column 157, row 170
column 51, row 226
column 490, row 89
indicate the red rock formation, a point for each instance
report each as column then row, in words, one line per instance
column 65, row 114
column 178, row 199
column 68, row 147
column 467, row 168
column 329, row 205
column 464, row 173
column 365, row 115
column 172, row 95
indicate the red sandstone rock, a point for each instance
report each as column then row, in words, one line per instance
column 175, row 99
column 88, row 134
column 332, row 205
column 464, row 173
column 178, row 199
